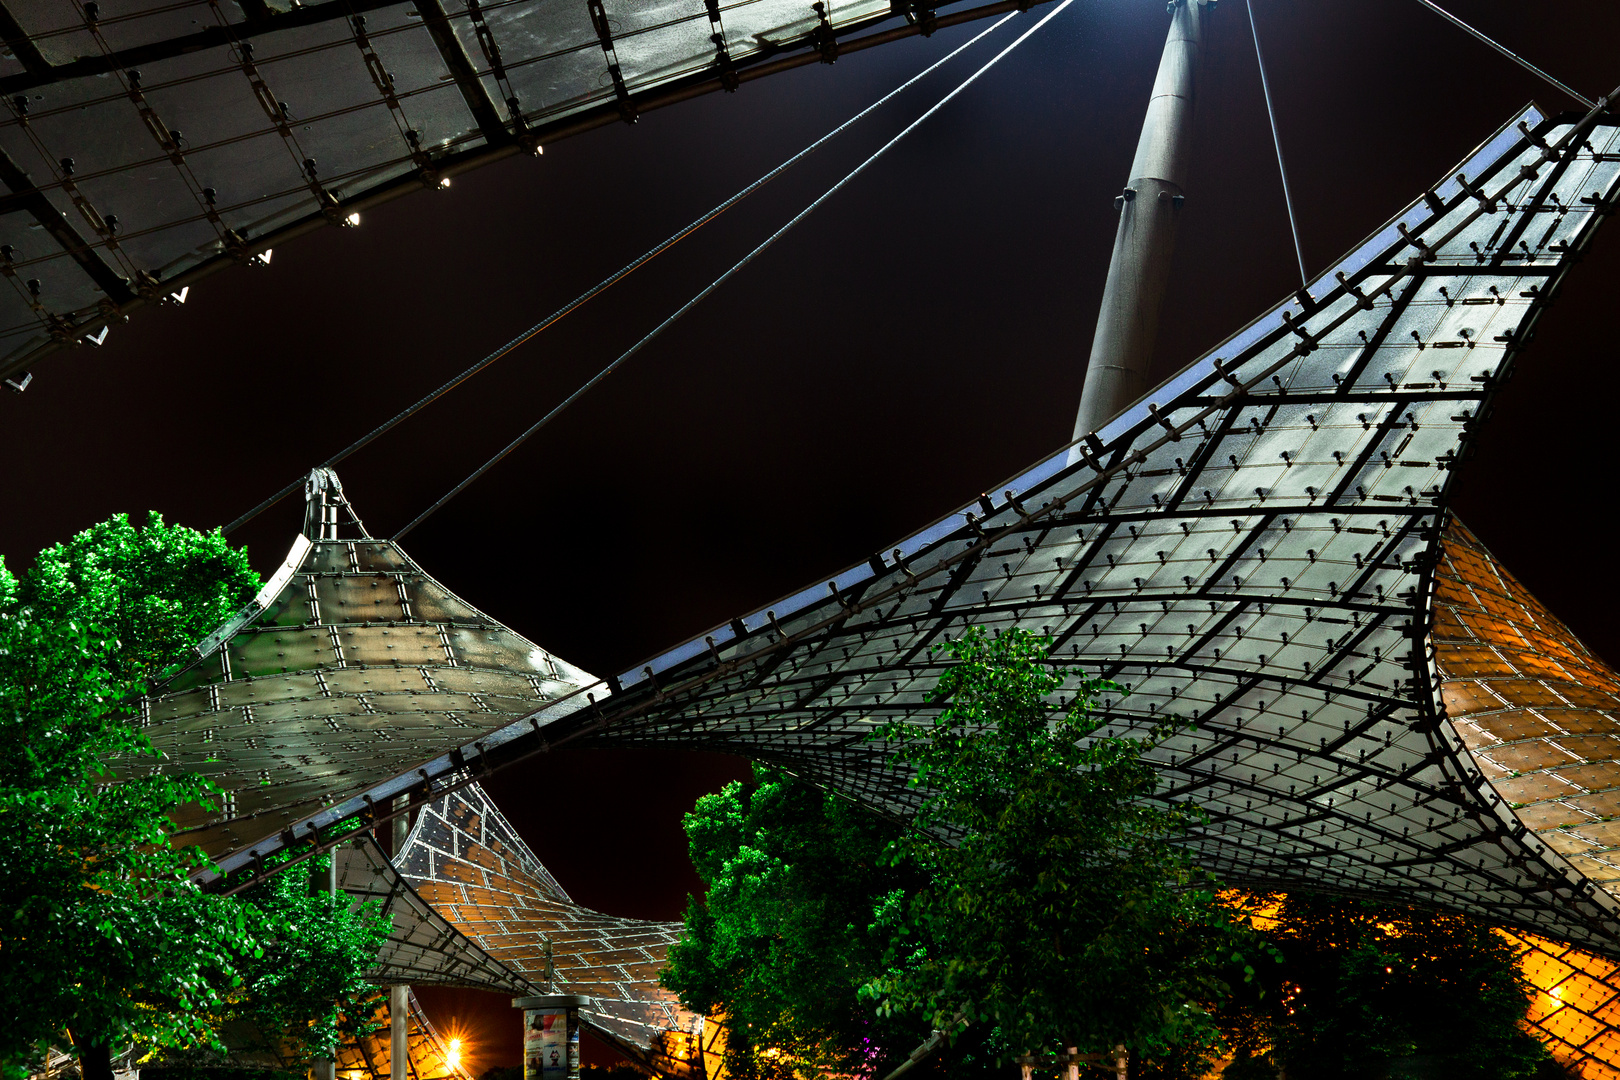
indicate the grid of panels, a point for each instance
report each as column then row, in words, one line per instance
column 1283, row 500
column 351, row 667
column 422, row 947
column 1540, row 713
column 1576, row 1010
column 145, row 142
column 466, row 860
column 1254, row 549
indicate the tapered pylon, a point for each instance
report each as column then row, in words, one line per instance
column 1149, row 207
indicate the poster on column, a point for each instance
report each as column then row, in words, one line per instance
column 545, row 1045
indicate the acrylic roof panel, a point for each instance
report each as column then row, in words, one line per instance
column 470, row 864
column 1252, row 547
column 350, row 668
column 1540, row 714
column 422, row 947
column 144, row 143
column 1576, row 1006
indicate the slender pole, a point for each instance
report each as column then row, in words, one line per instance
column 399, row 997
column 1276, row 139
column 325, row 880
column 1149, row 207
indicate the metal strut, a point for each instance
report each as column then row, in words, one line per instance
column 609, row 281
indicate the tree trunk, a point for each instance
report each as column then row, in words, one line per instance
column 95, row 1059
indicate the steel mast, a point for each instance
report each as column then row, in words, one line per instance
column 1149, row 207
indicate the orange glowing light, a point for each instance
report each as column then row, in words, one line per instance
column 455, row 1053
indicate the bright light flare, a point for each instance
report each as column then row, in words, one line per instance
column 455, row 1053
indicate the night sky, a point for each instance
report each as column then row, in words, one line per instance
column 917, row 340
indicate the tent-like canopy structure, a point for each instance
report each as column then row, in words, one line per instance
column 349, row 669
column 467, row 861
column 1263, row 545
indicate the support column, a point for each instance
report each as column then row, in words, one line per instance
column 324, row 881
column 399, row 997
column 1148, row 210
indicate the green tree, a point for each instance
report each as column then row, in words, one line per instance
column 1371, row 990
column 303, row 989
column 103, row 936
column 1058, row 910
column 783, row 938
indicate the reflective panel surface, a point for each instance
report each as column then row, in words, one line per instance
column 1536, row 708
column 1575, row 1010
column 351, row 667
column 423, row 949
column 145, row 143
column 1253, row 548
column 466, row 860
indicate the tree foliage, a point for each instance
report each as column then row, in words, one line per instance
column 1035, row 899
column 102, row 934
column 1058, row 909
column 1371, row 990
column 783, row 938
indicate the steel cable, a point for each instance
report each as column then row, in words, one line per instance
column 1515, row 57
column 1276, row 139
column 613, row 279
column 717, row 282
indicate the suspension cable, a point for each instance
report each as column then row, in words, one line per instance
column 717, row 282
column 613, row 279
column 1276, row 139
column 1515, row 57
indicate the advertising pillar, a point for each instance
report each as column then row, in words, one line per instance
column 550, row 1036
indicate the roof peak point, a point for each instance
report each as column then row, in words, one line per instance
column 327, row 513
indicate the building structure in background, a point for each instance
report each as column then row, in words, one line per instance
column 1255, row 547
column 467, row 861
column 1263, row 545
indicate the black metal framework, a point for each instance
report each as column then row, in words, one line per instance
column 141, row 150
column 350, row 668
column 1252, row 547
column 465, row 859
column 422, row 947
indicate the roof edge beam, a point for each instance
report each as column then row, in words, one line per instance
column 36, row 205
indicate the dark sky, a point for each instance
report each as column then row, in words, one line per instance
column 917, row 340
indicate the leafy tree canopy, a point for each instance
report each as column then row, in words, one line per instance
column 783, row 938
column 1370, row 990
column 1035, row 898
column 1057, row 909
column 102, row 935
